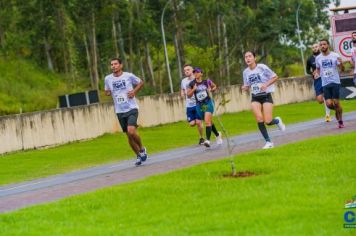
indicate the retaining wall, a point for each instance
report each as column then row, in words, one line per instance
column 59, row 126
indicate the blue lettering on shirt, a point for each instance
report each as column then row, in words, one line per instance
column 119, row 85
column 254, row 79
column 326, row 63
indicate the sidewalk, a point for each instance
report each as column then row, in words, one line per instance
column 48, row 189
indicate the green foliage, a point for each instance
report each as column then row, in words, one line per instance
column 203, row 58
column 77, row 38
column 253, row 25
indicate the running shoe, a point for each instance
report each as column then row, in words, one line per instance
column 268, row 145
column 341, row 126
column 138, row 160
column 143, row 154
column 207, row 143
column 280, row 124
column 201, row 141
column 219, row 139
column 327, row 118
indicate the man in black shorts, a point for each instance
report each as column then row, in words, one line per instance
column 311, row 70
column 327, row 64
column 123, row 87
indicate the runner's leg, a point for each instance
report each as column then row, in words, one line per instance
column 257, row 111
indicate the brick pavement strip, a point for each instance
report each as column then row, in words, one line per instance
column 52, row 193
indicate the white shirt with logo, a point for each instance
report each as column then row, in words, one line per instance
column 328, row 68
column 258, row 76
column 119, row 87
column 189, row 101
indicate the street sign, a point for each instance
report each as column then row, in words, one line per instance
column 342, row 26
column 343, row 46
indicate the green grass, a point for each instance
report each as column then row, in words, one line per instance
column 300, row 189
column 33, row 164
column 31, row 88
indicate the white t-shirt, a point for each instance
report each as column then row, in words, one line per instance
column 189, row 101
column 328, row 68
column 258, row 76
column 353, row 57
column 119, row 87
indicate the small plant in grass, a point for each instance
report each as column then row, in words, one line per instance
column 230, row 145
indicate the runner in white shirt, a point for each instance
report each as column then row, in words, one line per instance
column 311, row 70
column 123, row 87
column 353, row 54
column 259, row 80
column 190, row 103
column 326, row 66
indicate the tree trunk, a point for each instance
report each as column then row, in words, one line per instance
column 159, row 73
column 149, row 65
column 131, row 53
column 121, row 43
column 218, row 21
column 176, row 46
column 179, row 37
column 47, row 48
column 61, row 25
column 94, row 53
column 88, row 59
column 211, row 35
column 2, row 32
column 141, row 64
column 2, row 38
column 114, row 36
column 226, row 55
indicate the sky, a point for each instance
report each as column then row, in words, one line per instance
column 346, row 3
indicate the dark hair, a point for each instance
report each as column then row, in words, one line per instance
column 185, row 65
column 353, row 32
column 252, row 52
column 325, row 40
column 116, row 59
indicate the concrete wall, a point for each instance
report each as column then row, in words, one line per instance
column 54, row 127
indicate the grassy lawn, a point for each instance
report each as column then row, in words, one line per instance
column 33, row 164
column 300, row 189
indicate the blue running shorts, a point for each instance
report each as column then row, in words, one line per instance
column 192, row 114
column 318, row 87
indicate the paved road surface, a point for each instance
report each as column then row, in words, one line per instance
column 38, row 191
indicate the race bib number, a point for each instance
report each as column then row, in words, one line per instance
column 256, row 88
column 328, row 72
column 202, row 95
column 121, row 99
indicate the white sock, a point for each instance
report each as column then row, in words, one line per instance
column 327, row 110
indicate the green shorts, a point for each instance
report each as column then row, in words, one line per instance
column 128, row 119
column 205, row 107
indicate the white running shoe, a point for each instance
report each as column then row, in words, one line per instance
column 268, row 145
column 143, row 154
column 207, row 143
column 219, row 139
column 280, row 124
column 138, row 161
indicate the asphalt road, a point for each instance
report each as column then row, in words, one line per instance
column 19, row 195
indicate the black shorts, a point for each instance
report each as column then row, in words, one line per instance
column 262, row 98
column 331, row 91
column 128, row 119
